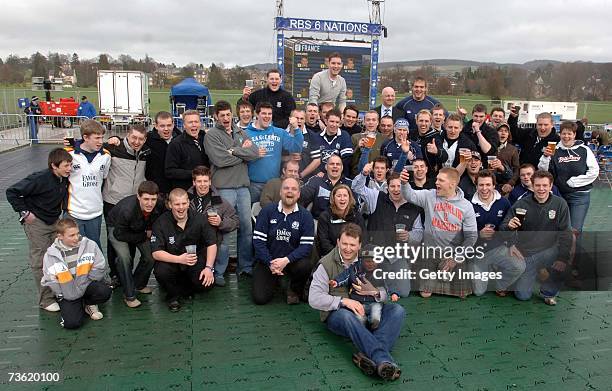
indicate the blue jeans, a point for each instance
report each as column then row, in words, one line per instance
column 499, row 259
column 125, row 263
column 578, row 203
column 533, row 263
column 255, row 188
column 377, row 344
column 240, row 199
column 91, row 229
column 222, row 259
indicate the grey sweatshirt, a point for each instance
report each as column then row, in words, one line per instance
column 323, row 90
column 228, row 159
column 448, row 222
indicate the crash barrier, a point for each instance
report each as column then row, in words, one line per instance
column 13, row 131
column 52, row 128
column 207, row 122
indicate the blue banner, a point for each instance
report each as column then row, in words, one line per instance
column 328, row 26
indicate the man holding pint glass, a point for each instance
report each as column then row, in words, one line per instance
column 541, row 237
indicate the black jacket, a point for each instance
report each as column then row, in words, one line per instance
column 156, row 163
column 41, row 193
column 462, row 142
column 282, row 104
column 182, row 156
column 329, row 226
column 129, row 221
column 434, row 162
column 168, row 236
column 545, row 225
column 531, row 145
column 395, row 113
column 381, row 222
column 489, row 134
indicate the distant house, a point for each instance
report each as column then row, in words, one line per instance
column 69, row 77
column 201, row 75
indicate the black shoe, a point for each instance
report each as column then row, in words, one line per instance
column 362, row 362
column 389, row 371
column 115, row 282
column 245, row 276
column 174, row 306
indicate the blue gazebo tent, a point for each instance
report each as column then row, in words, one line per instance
column 189, row 95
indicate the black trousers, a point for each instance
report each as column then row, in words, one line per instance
column 264, row 282
column 179, row 280
column 73, row 311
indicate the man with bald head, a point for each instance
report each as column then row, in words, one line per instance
column 388, row 101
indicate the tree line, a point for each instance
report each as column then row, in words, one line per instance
column 569, row 81
column 561, row 81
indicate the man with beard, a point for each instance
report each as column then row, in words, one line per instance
column 328, row 85
column 283, row 239
column 271, row 191
column 282, row 101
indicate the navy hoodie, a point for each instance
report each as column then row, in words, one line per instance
column 574, row 168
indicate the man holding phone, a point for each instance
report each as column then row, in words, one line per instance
column 282, row 101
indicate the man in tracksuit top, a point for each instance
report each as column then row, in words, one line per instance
column 229, row 149
column 412, row 105
column 158, row 140
column 318, row 188
column 490, row 209
column 130, row 224
column 283, row 239
column 273, row 140
column 532, row 140
column 542, row 238
column 186, row 152
column 90, row 166
column 335, row 142
column 74, row 269
column 39, row 199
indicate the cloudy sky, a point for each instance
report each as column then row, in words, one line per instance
column 241, row 31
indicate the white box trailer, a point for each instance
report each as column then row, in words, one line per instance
column 123, row 97
column 530, row 109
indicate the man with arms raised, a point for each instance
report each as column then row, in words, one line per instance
column 533, row 140
column 339, row 312
column 282, row 101
column 449, row 222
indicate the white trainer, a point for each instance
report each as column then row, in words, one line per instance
column 93, row 312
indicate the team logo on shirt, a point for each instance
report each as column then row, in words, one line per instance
column 76, row 167
column 295, row 225
column 279, row 104
column 153, row 239
column 273, row 221
column 500, row 213
column 337, row 145
column 552, row 214
column 102, row 167
column 171, row 240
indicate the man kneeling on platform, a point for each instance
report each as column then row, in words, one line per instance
column 283, row 238
column 343, row 314
column 184, row 247
column 74, row 269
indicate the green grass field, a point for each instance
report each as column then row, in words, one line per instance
column 597, row 112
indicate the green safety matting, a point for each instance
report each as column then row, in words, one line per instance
column 220, row 341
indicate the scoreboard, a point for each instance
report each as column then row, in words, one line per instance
column 305, row 57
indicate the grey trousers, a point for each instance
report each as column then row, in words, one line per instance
column 40, row 236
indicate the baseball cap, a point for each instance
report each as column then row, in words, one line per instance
column 402, row 123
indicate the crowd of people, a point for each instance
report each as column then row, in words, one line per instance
column 332, row 192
